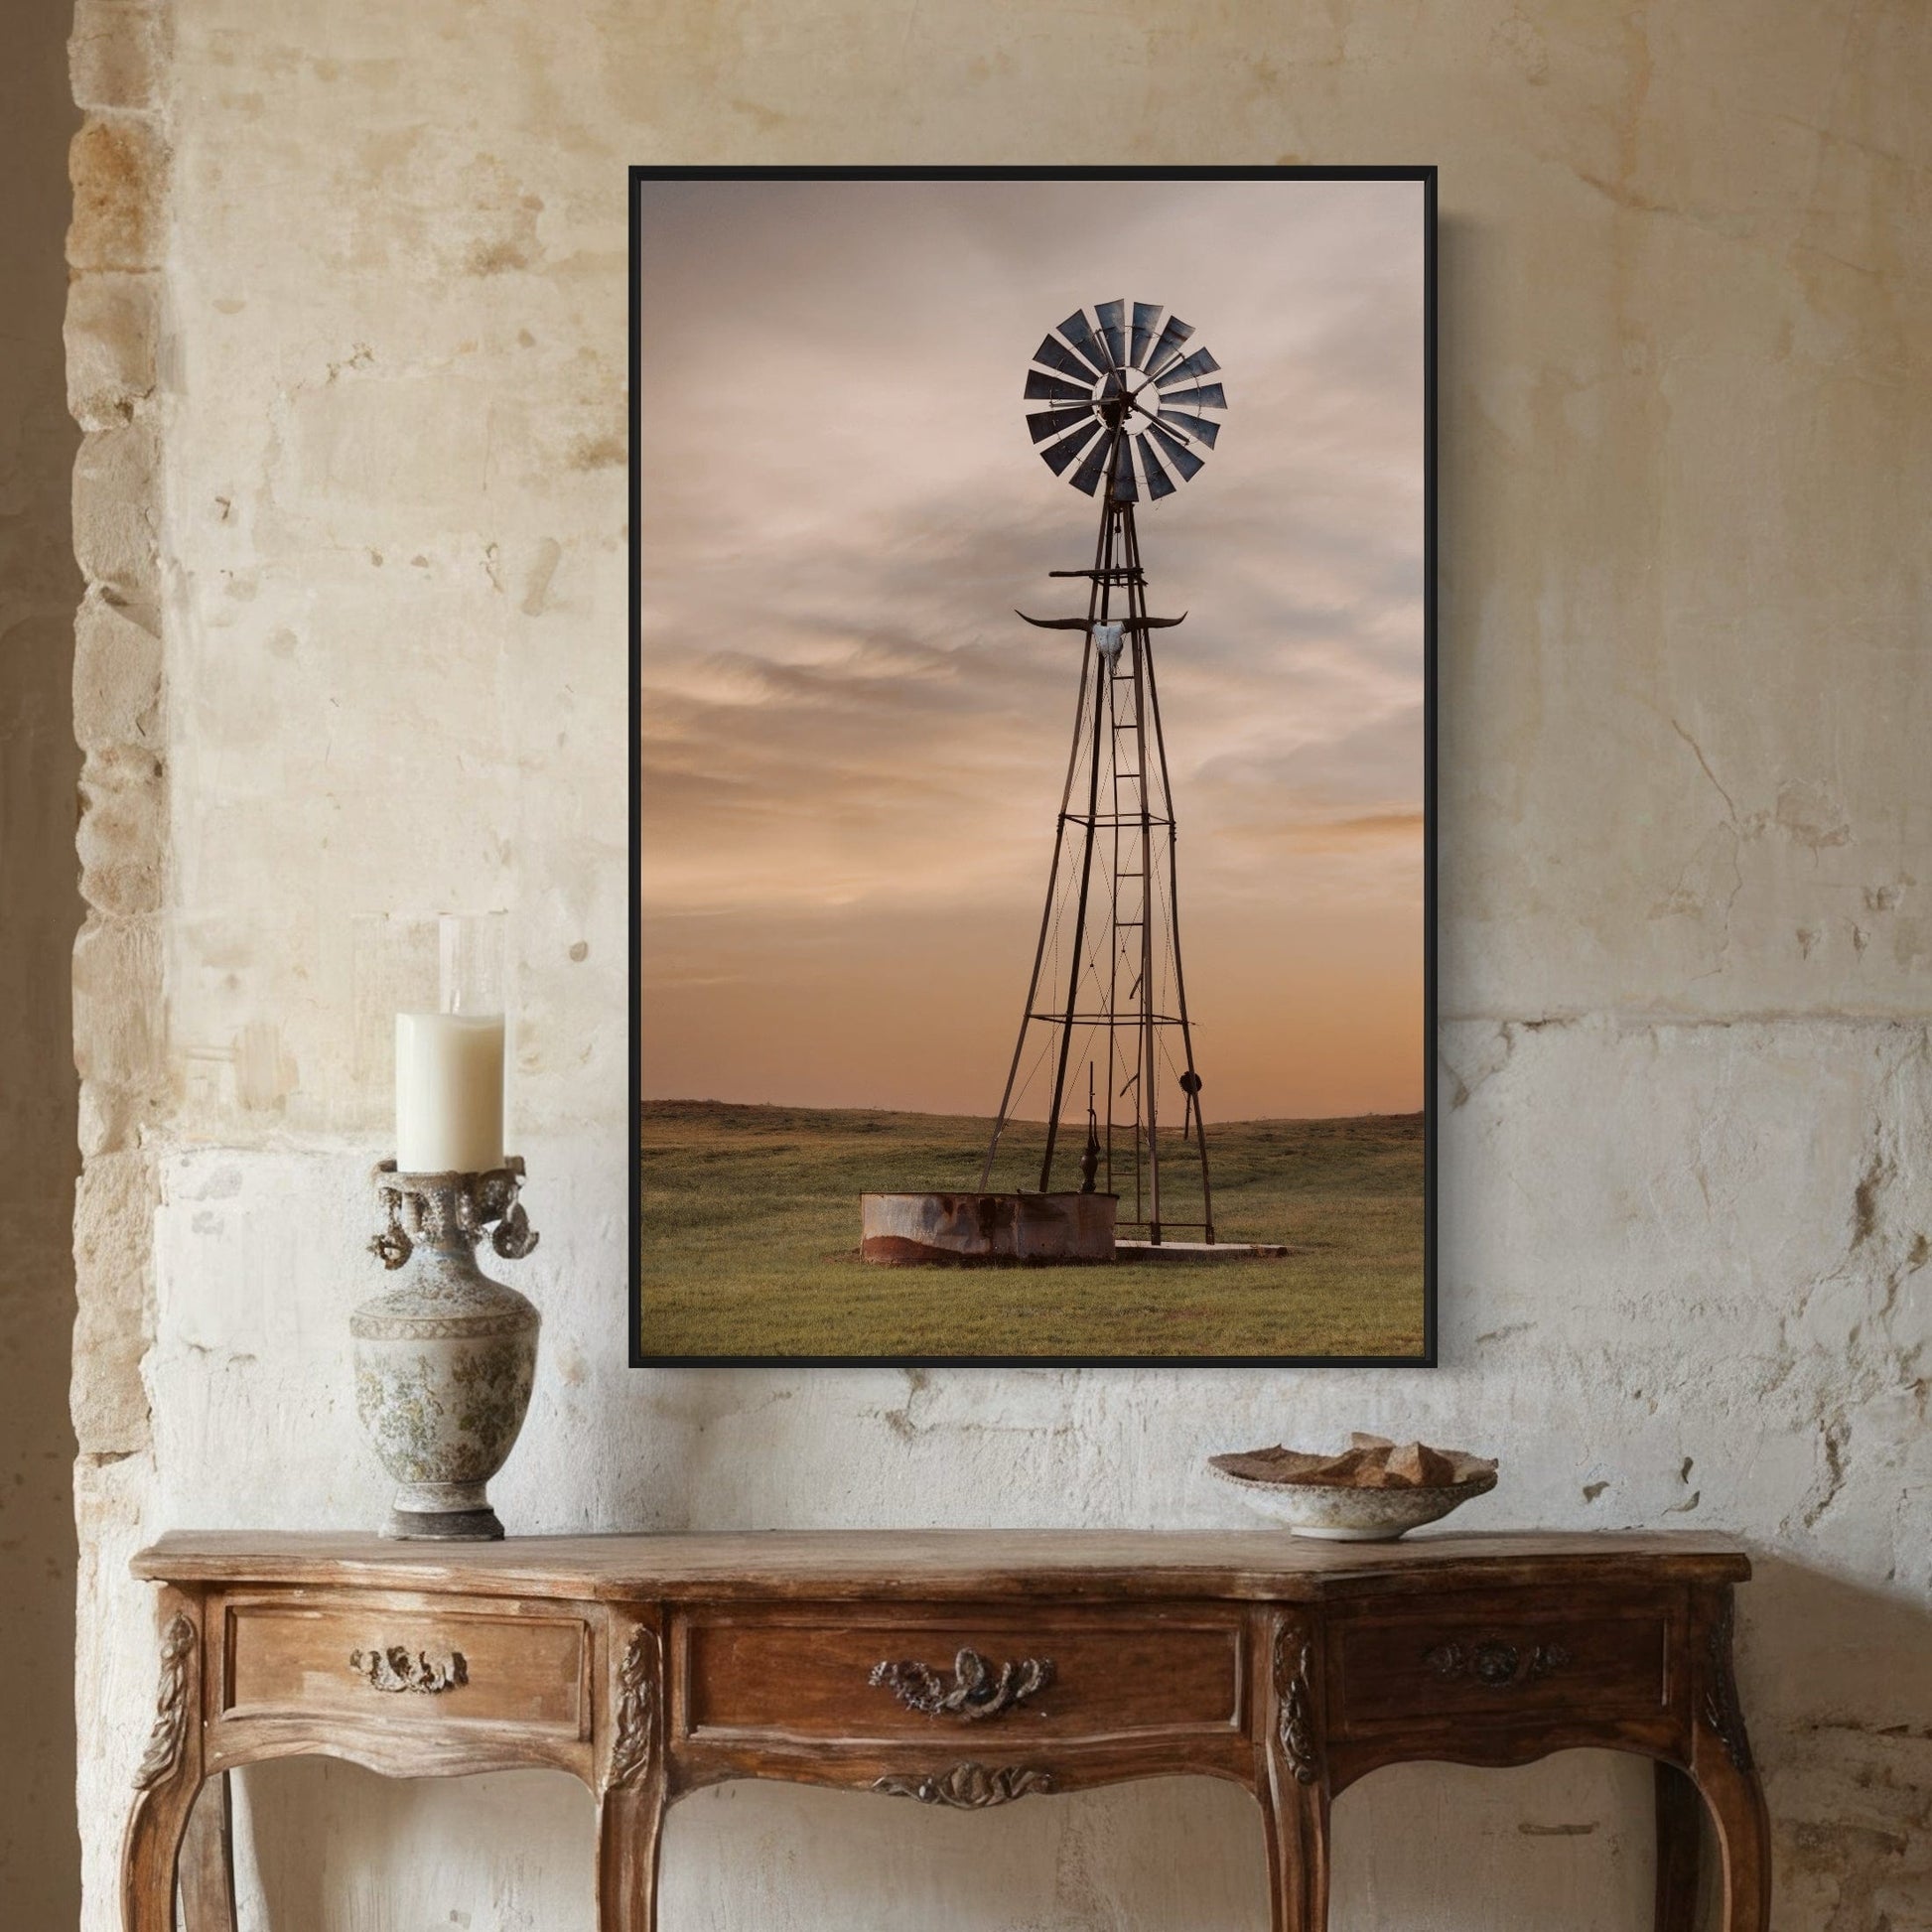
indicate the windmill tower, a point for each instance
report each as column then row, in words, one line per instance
column 1126, row 418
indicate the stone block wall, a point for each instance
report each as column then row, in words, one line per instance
column 347, row 345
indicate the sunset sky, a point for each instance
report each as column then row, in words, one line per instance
column 852, row 750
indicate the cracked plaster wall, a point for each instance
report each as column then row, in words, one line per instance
column 346, row 341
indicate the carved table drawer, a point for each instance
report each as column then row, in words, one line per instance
column 390, row 1663
column 1497, row 1656
column 994, row 1676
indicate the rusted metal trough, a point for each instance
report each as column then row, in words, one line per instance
column 983, row 1230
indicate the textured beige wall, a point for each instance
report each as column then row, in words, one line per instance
column 367, row 494
column 40, row 1851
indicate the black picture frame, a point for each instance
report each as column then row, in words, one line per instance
column 1423, row 174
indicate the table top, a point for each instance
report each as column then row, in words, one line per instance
column 1265, row 1565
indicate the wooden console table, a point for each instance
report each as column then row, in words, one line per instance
column 963, row 1669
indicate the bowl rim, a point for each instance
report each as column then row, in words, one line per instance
column 1476, row 1485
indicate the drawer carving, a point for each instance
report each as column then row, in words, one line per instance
column 169, row 1730
column 968, row 1787
column 439, row 1666
column 636, row 1706
column 977, row 1691
column 1499, row 1665
column 1294, row 1654
column 394, row 1669
column 1498, row 1660
column 1069, row 1675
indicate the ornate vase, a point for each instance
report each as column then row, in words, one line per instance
column 445, row 1361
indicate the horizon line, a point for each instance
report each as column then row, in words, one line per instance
column 1021, row 1120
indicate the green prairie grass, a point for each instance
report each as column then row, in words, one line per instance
column 750, row 1239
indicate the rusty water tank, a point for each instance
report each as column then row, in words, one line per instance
column 967, row 1230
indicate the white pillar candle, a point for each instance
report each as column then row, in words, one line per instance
column 448, row 1092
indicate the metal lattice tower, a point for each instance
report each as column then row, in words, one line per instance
column 1127, row 409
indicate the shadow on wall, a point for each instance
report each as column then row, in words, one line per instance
column 1837, row 1688
column 1567, row 1842
column 1838, row 1681
column 40, row 585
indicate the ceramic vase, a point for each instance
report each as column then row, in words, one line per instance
column 446, row 1359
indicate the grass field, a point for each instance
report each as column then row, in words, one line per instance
column 750, row 1239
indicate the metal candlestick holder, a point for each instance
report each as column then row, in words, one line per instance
column 444, row 1360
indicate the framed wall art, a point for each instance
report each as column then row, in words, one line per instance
column 1032, row 633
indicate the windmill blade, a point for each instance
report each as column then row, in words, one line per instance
column 1063, row 451
column 1171, row 338
column 1198, row 427
column 1176, row 452
column 1198, row 364
column 1050, row 388
column 1208, row 396
column 1085, row 343
column 1056, row 355
column 1051, row 422
column 1159, row 483
column 1089, row 476
column 1118, row 404
column 1112, row 333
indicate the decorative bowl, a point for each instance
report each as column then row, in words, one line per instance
column 1372, row 1492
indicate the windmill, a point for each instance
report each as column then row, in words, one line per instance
column 1125, row 416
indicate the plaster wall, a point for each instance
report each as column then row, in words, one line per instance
column 347, row 343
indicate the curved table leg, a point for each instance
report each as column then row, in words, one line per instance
column 167, row 1782
column 1298, row 1858
column 629, row 1828
column 1727, row 1777
column 630, row 1806
column 1735, row 1802
column 1679, row 1831
column 207, row 1862
column 1295, row 1793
